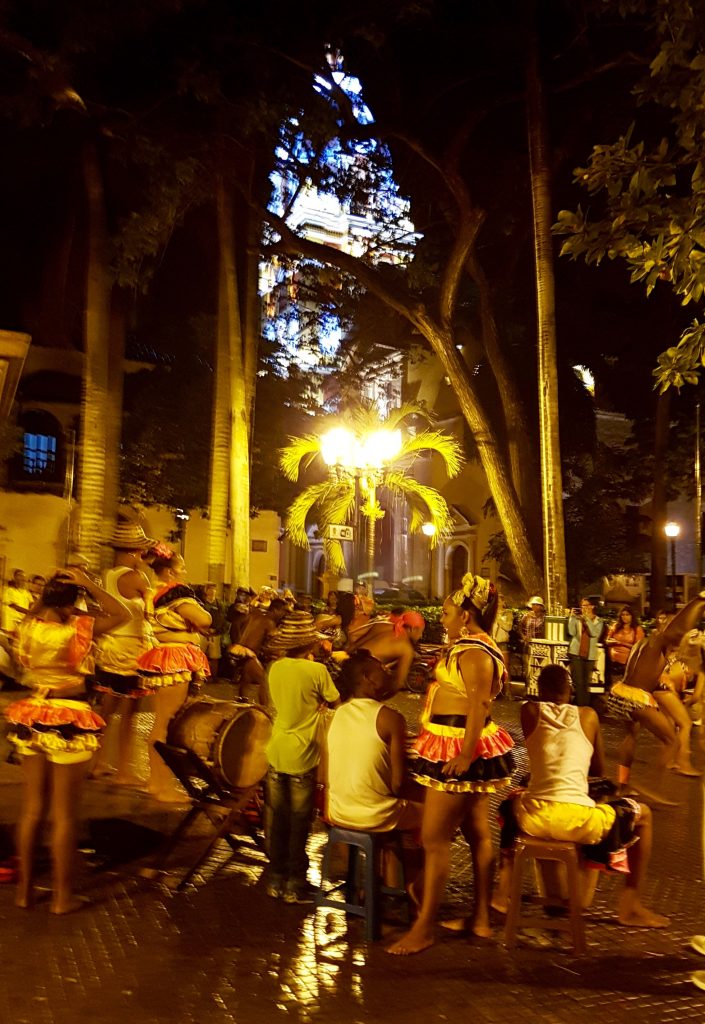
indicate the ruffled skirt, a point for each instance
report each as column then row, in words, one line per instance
column 623, row 700
column 65, row 731
column 116, row 669
column 438, row 742
column 169, row 664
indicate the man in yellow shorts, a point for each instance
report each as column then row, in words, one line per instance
column 564, row 744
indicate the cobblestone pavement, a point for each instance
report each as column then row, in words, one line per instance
column 224, row 952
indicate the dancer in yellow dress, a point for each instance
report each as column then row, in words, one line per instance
column 462, row 757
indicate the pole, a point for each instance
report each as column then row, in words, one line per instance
column 698, row 506
column 356, row 535
column 673, row 573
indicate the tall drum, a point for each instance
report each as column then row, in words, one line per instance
column 229, row 736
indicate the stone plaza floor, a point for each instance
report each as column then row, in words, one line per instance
column 222, row 952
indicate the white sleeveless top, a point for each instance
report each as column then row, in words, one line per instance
column 359, row 769
column 136, row 626
column 560, row 755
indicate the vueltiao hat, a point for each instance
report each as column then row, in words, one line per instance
column 536, row 599
column 295, row 630
column 129, row 537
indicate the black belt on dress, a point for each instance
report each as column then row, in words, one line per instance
column 455, row 721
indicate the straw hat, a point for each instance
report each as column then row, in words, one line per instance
column 129, row 537
column 295, row 630
column 535, row 600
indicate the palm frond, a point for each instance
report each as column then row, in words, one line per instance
column 339, row 506
column 438, row 442
column 426, row 504
column 299, row 511
column 300, row 449
column 334, row 557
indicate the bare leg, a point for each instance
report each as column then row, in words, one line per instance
column 476, row 830
column 500, row 900
column 167, row 702
column 66, row 784
column 660, row 726
column 670, row 703
column 631, row 911
column 34, row 799
column 443, row 813
column 252, row 681
column 100, row 768
column 125, row 777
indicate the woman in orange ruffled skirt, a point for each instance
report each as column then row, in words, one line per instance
column 463, row 756
column 55, row 732
column 178, row 620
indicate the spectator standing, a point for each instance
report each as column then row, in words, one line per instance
column 503, row 625
column 298, row 686
column 585, row 630
column 16, row 602
column 532, row 626
column 214, row 637
column 621, row 637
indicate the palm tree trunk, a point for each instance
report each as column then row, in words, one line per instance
column 659, row 545
column 238, row 338
column 551, row 478
column 220, row 447
column 94, row 397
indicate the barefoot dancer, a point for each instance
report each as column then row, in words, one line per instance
column 178, row 620
column 55, row 731
column 642, row 699
column 564, row 744
column 463, row 756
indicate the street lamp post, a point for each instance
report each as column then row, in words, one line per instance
column 361, row 457
column 672, row 530
column 429, row 530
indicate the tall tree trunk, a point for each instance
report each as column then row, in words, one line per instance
column 94, row 398
column 522, row 463
column 659, row 550
column 113, row 417
column 551, row 478
column 491, row 456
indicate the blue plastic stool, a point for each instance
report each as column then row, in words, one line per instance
column 370, row 844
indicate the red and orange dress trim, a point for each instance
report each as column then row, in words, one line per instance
column 57, row 657
column 177, row 656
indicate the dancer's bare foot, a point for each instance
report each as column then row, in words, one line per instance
column 639, row 916
column 687, row 770
column 415, row 941
column 456, row 924
column 24, row 900
column 102, row 772
column 68, row 905
column 481, row 931
column 500, row 905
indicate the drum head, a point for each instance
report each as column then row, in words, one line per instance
column 242, row 747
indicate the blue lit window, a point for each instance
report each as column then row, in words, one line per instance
column 39, row 455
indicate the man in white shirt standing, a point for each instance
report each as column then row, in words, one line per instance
column 16, row 602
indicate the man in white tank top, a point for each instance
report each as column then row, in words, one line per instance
column 564, row 744
column 367, row 783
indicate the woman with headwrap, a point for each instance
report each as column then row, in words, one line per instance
column 462, row 756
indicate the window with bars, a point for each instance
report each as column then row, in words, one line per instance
column 39, row 454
